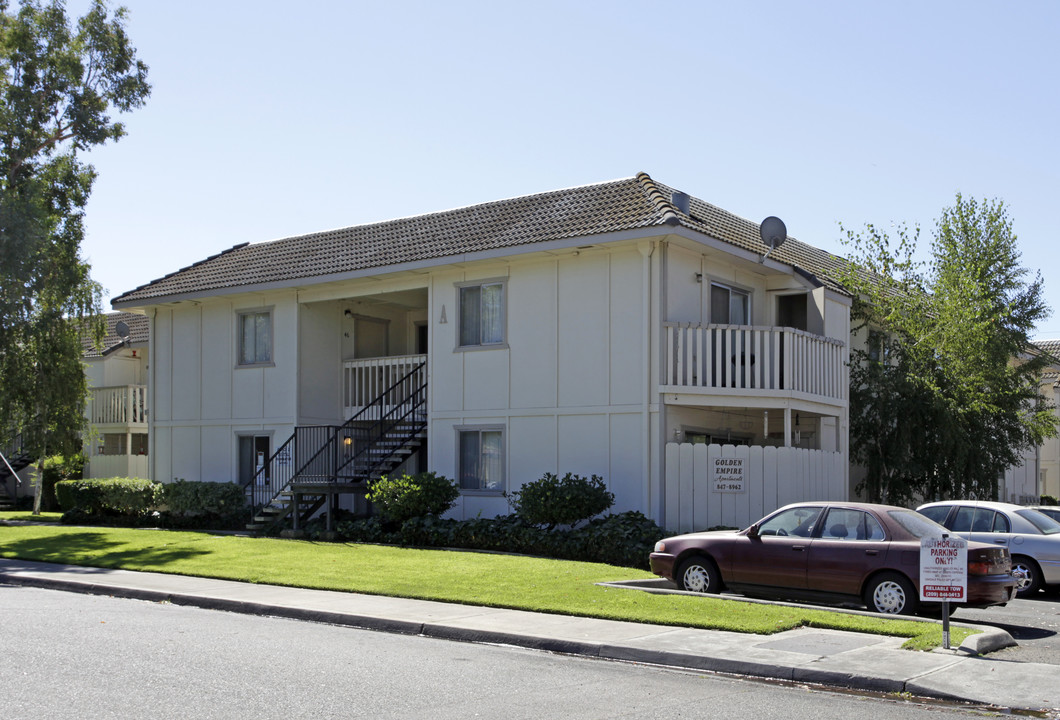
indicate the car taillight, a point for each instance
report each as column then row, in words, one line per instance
column 980, row 568
column 660, row 547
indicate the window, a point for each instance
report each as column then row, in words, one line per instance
column 482, row 314
column 796, row 521
column 481, row 458
column 113, row 444
column 843, row 524
column 255, row 337
column 978, row 519
column 876, row 347
column 729, row 306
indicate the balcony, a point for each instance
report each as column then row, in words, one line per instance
column 365, row 380
column 743, row 361
column 118, row 405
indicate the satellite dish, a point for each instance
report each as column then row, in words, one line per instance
column 122, row 329
column 773, row 232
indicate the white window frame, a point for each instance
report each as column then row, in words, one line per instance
column 240, row 317
column 746, row 292
column 502, row 342
column 461, row 430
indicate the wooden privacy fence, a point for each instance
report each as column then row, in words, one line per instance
column 711, row 485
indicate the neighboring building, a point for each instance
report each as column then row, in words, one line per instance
column 1048, row 454
column 116, row 444
column 620, row 329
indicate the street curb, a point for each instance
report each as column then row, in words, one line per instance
column 987, row 640
column 604, row 651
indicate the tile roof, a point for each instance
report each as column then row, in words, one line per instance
column 1050, row 346
column 628, row 204
column 139, row 333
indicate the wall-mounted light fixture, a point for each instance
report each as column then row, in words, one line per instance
column 348, row 313
column 699, row 277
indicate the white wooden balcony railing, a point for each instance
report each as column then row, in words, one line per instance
column 118, row 405
column 365, row 380
column 754, row 361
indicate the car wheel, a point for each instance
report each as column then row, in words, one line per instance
column 1028, row 576
column 698, row 574
column 892, row 594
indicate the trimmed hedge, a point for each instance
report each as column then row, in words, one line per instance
column 618, row 539
column 203, row 504
column 131, row 497
column 56, row 469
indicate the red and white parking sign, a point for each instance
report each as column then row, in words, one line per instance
column 943, row 569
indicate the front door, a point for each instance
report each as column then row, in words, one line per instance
column 253, row 457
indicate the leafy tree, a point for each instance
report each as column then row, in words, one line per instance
column 58, row 85
column 944, row 395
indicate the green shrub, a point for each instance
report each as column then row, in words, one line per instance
column 212, row 505
column 623, row 539
column 132, row 497
column 1049, row 500
column 56, row 469
column 401, row 498
column 197, row 498
column 367, row 530
column 552, row 501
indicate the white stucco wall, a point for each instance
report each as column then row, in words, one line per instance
column 202, row 400
column 567, row 385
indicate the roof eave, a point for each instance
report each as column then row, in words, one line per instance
column 546, row 246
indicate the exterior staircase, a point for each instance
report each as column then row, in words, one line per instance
column 15, row 458
column 319, row 462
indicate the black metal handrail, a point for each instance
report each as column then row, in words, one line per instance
column 318, row 453
column 364, row 453
column 273, row 476
column 14, row 454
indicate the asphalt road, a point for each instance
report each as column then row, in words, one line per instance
column 1033, row 623
column 86, row 656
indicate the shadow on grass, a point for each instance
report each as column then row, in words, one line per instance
column 96, row 548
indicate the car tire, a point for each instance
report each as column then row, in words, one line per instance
column 892, row 594
column 698, row 574
column 1028, row 576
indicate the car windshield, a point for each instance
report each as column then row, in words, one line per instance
column 1043, row 522
column 916, row 524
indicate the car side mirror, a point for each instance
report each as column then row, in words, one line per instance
column 752, row 532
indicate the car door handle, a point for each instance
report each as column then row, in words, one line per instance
column 798, row 548
column 872, row 552
column 1001, row 542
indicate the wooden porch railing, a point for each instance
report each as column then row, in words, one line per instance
column 759, row 361
column 121, row 404
column 364, row 380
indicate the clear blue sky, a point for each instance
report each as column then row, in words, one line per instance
column 272, row 119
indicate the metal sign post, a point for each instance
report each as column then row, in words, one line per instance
column 944, row 575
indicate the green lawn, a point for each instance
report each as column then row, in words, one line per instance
column 496, row 580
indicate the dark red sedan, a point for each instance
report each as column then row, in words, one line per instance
column 831, row 552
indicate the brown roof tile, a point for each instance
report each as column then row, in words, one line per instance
column 139, row 333
column 629, row 204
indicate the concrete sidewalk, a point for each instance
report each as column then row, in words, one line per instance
column 828, row 657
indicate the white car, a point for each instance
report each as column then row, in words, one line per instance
column 1033, row 539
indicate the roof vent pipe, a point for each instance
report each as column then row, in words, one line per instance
column 681, row 201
